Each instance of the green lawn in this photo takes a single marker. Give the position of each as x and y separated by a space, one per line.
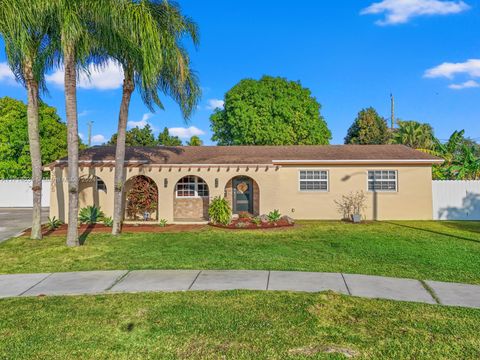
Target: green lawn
448 251
234 325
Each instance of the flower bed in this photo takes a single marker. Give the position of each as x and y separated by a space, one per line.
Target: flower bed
248 223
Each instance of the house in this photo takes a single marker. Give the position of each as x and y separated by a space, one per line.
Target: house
300 181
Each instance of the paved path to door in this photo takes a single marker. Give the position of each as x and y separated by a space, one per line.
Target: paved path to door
14 220
122 281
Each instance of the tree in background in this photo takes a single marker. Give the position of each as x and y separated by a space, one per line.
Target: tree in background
195 141
369 128
14 145
137 137
414 134
165 139
269 111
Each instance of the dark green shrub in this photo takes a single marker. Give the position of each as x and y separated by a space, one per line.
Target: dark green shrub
220 211
53 223
91 215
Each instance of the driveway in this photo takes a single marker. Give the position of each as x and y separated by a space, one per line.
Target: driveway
15 220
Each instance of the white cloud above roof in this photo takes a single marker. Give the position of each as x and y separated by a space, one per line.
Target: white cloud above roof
141 123
185 133
98 139
402 11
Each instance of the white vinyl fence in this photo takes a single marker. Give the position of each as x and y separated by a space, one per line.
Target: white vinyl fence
18 193
456 200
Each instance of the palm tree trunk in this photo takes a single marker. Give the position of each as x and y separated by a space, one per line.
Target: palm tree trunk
72 139
35 152
128 88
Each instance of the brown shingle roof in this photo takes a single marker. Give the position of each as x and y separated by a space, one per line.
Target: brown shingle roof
234 155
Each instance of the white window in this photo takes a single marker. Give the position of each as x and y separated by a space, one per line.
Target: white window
382 180
313 180
191 186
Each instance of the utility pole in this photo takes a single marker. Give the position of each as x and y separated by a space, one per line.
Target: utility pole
90 123
392 119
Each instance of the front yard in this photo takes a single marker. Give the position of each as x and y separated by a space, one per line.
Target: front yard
445 251
234 325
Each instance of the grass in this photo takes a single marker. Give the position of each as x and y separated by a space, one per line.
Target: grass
234 325
445 251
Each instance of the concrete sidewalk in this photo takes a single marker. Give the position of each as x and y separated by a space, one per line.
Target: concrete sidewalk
122 281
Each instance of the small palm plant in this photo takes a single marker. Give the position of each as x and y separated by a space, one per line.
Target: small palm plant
274 216
53 223
90 215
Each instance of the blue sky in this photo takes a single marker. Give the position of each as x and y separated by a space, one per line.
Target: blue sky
351 54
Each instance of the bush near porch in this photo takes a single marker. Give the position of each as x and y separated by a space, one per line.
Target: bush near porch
445 251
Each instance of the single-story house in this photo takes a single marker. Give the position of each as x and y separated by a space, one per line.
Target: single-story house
300 181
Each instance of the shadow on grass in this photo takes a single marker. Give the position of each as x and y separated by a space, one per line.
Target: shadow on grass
83 237
434 231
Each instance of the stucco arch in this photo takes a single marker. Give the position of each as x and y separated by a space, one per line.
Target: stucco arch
93 191
253 193
128 198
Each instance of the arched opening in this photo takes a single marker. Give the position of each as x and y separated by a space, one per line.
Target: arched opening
243 194
92 192
141 199
191 199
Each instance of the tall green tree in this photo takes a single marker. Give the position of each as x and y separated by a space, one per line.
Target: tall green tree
25 28
269 111
369 128
195 141
165 139
153 59
137 137
414 134
14 140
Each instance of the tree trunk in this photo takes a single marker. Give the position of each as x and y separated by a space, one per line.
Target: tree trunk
128 88
72 138
35 152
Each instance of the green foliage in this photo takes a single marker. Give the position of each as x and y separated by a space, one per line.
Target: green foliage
256 220
53 223
14 147
165 139
195 141
414 134
369 128
162 223
90 215
220 211
269 111
107 221
274 216
137 137
142 197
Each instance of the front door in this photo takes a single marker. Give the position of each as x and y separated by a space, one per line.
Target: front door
242 195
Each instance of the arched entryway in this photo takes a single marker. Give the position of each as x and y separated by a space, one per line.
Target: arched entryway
141 199
92 192
191 199
243 194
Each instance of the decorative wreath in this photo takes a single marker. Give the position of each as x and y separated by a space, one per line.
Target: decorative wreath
242 187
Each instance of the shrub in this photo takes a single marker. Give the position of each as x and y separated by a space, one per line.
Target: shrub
220 211
244 215
142 197
162 223
53 223
257 221
108 221
274 216
91 215
352 204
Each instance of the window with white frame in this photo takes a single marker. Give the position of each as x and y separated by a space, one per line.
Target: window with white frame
191 186
382 180
313 180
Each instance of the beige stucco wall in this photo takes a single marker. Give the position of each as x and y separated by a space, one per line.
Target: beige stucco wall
278 189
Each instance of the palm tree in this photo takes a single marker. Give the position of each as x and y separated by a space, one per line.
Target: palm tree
414 134
195 141
154 61
24 25
448 151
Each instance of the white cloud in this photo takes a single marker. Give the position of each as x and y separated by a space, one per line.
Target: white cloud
141 123
108 77
6 74
98 139
80 135
449 70
215 104
401 11
84 113
185 133
465 85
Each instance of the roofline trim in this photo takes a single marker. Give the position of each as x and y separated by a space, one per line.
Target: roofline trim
375 161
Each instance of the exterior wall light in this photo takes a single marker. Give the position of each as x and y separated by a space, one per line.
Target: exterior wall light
165 183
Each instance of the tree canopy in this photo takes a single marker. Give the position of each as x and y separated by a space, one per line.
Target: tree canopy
137 137
369 128
14 148
414 134
269 111
165 139
195 141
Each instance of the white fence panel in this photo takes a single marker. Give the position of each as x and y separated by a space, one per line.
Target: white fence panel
456 200
18 193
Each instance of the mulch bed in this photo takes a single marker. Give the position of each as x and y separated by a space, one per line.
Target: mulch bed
247 224
126 228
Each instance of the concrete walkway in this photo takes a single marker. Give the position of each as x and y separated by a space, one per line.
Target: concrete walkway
14 220
122 281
